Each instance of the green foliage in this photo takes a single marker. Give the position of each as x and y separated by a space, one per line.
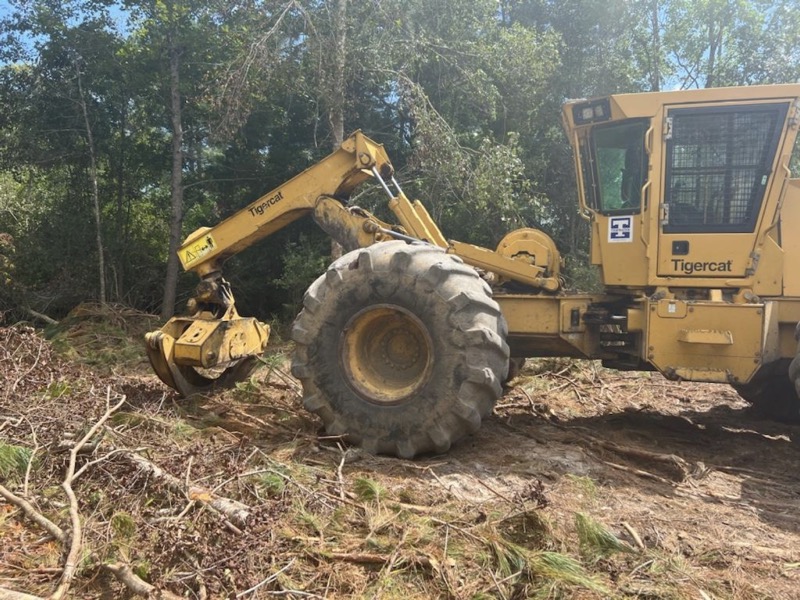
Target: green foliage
273 484
124 526
368 490
595 540
582 277
6 270
13 460
480 192
465 95
547 571
303 261
142 570
584 484
556 568
57 389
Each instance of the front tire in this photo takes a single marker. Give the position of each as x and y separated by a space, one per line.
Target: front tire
400 349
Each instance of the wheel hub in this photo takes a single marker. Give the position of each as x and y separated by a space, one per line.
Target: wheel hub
386 353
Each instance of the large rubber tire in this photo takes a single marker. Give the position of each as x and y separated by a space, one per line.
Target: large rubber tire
774 392
400 349
794 373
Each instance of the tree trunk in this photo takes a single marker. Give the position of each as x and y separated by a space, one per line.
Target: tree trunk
95 193
121 228
336 111
655 72
176 218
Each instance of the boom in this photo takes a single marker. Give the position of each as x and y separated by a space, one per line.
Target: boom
320 189
213 345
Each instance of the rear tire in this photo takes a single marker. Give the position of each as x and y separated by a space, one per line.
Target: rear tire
400 349
794 370
773 392
515 366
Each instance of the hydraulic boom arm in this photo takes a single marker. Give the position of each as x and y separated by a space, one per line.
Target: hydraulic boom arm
213 345
320 189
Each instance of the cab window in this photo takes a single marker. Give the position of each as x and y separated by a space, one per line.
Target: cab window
618 167
719 160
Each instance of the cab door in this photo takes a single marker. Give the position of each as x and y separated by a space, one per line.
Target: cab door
718 165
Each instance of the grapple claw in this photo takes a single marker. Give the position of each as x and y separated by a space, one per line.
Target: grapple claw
186 351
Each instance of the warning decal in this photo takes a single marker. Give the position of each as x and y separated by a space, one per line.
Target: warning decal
196 250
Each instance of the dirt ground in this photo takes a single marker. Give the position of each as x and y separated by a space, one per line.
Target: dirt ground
584 483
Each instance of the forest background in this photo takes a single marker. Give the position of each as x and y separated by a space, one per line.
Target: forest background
126 125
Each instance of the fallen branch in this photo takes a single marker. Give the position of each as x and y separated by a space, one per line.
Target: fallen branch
233 510
639 472
374 559
632 532
6 594
135 584
677 468
41 316
34 515
76 535
263 582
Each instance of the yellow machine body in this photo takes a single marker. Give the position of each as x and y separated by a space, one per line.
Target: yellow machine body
693 213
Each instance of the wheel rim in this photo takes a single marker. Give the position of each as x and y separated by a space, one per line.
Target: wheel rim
387 354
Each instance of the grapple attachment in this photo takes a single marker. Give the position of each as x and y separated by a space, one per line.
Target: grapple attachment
200 352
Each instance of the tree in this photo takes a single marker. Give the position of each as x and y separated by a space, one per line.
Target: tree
732 42
53 117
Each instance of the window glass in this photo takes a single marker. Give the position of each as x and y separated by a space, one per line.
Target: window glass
794 163
620 166
718 165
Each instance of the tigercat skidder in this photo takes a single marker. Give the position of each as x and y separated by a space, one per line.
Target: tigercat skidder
404 343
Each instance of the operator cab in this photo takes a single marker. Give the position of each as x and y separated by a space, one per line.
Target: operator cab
679 185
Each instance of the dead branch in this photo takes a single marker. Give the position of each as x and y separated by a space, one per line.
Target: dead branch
6 594
33 515
632 532
30 369
41 316
269 579
233 510
76 535
375 559
639 472
675 467
29 466
135 584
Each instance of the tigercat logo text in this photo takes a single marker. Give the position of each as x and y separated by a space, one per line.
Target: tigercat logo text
258 209
690 267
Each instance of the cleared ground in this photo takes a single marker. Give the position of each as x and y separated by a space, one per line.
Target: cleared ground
584 483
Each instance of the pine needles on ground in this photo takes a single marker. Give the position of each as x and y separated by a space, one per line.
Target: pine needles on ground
595 540
13 460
